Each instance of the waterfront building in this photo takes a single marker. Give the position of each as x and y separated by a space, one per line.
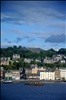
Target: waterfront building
8 75
33 76
63 73
13 74
57 74
36 69
47 75
28 71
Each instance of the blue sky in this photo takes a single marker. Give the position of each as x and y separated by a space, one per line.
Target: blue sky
39 24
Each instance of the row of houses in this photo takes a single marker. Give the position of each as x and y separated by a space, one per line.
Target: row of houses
35 73
55 58
58 74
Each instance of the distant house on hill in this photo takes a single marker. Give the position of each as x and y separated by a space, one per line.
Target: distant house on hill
4 60
28 60
16 56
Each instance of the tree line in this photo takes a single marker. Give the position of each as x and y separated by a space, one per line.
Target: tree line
25 53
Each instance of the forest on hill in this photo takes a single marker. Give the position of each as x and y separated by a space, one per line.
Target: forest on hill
30 52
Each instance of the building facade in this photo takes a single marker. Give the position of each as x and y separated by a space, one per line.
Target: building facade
8 75
36 69
13 74
47 75
57 74
4 60
16 56
63 73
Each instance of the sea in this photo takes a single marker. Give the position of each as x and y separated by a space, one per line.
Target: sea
20 91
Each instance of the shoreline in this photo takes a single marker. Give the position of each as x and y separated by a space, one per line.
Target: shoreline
36 80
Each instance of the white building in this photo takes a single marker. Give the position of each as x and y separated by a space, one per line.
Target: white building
28 60
14 74
48 60
63 73
62 61
16 56
47 75
38 60
57 58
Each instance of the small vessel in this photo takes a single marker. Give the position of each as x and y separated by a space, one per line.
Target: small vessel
35 84
7 80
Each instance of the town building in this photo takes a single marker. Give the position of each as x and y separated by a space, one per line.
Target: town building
38 60
12 74
63 73
4 60
63 61
36 69
47 75
8 75
48 60
28 60
57 58
57 74
28 71
16 56
15 74
33 76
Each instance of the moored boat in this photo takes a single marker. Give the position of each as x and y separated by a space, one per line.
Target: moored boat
7 81
35 84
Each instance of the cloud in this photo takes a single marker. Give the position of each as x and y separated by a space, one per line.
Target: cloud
6 40
18 39
56 38
29 39
16 31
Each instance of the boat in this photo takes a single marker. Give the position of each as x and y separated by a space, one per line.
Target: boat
35 84
7 81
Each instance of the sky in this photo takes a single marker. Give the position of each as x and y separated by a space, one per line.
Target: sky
38 24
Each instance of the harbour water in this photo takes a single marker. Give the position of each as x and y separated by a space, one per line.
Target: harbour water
19 91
